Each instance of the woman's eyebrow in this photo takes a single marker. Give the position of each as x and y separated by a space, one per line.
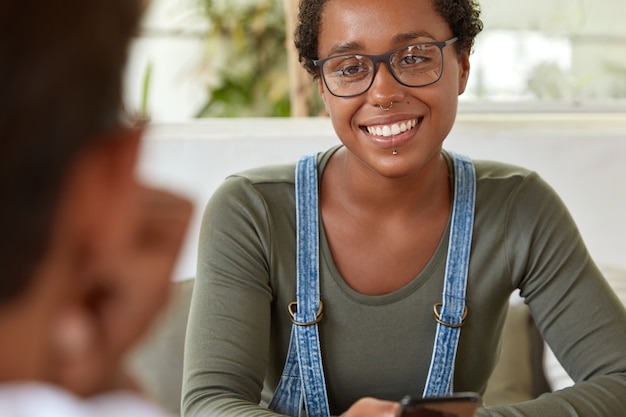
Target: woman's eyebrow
348 47
345 48
411 36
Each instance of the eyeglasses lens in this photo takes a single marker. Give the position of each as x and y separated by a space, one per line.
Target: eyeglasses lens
414 66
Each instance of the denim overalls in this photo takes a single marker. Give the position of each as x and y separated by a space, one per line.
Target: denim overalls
302 381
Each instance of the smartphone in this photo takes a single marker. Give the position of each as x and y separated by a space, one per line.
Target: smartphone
460 404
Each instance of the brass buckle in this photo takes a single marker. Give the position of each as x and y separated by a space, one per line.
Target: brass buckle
437 316
318 315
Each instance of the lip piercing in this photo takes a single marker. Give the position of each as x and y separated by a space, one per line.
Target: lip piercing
394 152
386 108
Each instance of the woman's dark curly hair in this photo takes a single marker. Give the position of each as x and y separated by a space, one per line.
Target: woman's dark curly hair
463 17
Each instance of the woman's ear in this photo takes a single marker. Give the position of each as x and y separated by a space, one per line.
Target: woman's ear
464 70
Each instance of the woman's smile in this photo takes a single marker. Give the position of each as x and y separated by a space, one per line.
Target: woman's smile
392 129
392 134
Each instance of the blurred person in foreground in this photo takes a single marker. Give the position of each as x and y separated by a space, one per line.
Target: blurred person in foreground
86 250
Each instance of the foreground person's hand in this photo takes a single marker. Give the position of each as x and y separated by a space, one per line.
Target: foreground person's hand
122 298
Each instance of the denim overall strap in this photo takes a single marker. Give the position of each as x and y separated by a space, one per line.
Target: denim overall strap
452 311
303 375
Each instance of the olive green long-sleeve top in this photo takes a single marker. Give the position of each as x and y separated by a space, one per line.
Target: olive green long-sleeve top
381 346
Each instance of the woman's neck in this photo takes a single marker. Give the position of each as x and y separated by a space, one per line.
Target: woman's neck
348 183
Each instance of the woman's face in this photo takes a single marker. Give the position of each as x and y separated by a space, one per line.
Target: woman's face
376 27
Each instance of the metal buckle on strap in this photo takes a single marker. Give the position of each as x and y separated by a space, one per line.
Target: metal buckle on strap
437 316
318 316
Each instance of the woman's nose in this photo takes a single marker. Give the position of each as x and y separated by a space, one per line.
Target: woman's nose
385 87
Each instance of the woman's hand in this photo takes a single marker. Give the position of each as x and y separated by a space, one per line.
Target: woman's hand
372 407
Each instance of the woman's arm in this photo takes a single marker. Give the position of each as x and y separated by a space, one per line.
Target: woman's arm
227 343
575 309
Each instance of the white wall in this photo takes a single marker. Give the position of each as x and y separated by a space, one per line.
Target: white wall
581 156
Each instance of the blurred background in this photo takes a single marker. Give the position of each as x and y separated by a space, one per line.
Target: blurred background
234 58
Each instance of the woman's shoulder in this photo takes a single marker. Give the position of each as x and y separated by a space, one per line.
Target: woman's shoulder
508 177
275 174
253 190
499 181
491 169
521 190
284 173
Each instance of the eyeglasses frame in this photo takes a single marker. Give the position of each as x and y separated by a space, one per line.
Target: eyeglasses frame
376 59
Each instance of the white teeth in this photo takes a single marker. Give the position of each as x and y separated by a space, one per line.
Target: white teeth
390 130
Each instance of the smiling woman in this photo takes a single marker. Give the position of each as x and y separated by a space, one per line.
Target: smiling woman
401 256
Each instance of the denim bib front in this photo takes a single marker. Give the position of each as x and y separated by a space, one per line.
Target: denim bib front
302 381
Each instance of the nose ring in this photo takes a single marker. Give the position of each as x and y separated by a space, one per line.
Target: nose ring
386 108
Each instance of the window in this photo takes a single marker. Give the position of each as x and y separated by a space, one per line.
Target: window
536 55
551 52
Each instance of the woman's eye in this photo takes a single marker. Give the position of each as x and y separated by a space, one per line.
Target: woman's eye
413 60
352 70
347 67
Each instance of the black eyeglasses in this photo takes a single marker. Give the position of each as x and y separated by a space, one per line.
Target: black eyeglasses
415 65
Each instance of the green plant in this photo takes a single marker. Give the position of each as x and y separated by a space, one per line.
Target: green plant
144 110
246 59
